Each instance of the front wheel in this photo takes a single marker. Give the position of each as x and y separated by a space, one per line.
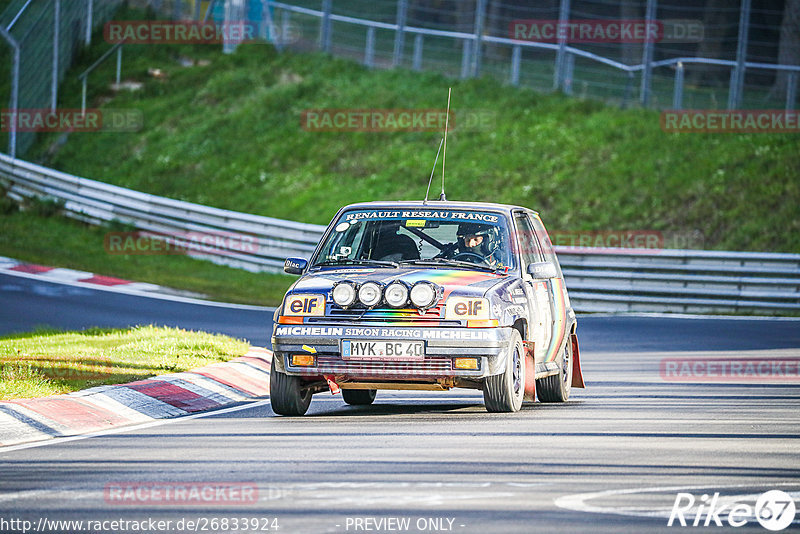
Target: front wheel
359 397
286 394
556 388
504 392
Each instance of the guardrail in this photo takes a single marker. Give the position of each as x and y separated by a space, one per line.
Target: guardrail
565 55
689 281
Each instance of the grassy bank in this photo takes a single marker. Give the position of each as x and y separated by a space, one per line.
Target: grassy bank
225 130
52 362
228 134
57 241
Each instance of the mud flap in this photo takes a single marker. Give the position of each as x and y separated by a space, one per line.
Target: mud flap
577 374
332 384
530 379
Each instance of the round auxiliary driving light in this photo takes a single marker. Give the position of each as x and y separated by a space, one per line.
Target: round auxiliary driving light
369 294
396 294
344 294
423 294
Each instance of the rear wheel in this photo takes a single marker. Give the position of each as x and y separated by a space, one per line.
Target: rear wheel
286 393
359 397
504 392
556 388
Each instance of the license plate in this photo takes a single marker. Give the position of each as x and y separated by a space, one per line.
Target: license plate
382 350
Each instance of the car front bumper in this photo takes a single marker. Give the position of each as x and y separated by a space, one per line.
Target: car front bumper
442 346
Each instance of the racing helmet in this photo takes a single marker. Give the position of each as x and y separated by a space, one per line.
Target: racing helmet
489 234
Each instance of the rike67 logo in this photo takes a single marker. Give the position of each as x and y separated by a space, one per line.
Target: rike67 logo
774 510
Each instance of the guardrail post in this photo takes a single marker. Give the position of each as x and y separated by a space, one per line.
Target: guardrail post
480 17
325 27
647 55
270 30
399 36
466 57
563 17
14 103
737 76
89 15
791 90
83 96
285 25
177 9
417 65
209 9
516 53
628 89
119 64
56 40
569 68
197 5
369 50
677 95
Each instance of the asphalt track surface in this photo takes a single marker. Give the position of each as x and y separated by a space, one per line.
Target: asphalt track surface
612 459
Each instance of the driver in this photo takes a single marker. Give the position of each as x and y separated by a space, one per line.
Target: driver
478 239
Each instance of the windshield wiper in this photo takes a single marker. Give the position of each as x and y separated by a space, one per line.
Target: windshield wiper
348 261
457 263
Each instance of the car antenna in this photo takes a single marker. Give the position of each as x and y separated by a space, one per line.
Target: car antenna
435 161
432 171
444 153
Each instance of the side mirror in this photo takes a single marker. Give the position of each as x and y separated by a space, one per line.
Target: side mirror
295 265
542 271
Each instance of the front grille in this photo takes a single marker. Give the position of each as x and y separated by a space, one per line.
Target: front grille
405 314
432 316
370 368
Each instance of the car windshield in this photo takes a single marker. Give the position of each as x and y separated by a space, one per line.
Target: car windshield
470 239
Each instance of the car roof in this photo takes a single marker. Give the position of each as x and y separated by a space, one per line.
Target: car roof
436 204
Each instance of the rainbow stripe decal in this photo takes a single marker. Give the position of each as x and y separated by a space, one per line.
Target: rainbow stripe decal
559 311
445 277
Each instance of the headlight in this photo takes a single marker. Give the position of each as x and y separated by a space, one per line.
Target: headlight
423 294
369 294
396 294
344 294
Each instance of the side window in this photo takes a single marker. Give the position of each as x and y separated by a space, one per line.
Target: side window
546 244
529 246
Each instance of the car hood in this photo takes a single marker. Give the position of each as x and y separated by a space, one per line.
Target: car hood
453 281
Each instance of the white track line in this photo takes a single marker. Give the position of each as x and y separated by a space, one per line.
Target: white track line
157 422
577 502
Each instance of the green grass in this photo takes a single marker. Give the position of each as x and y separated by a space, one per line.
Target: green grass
51 362
62 242
228 135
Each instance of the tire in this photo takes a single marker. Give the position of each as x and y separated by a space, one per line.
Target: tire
359 397
286 394
504 392
556 388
